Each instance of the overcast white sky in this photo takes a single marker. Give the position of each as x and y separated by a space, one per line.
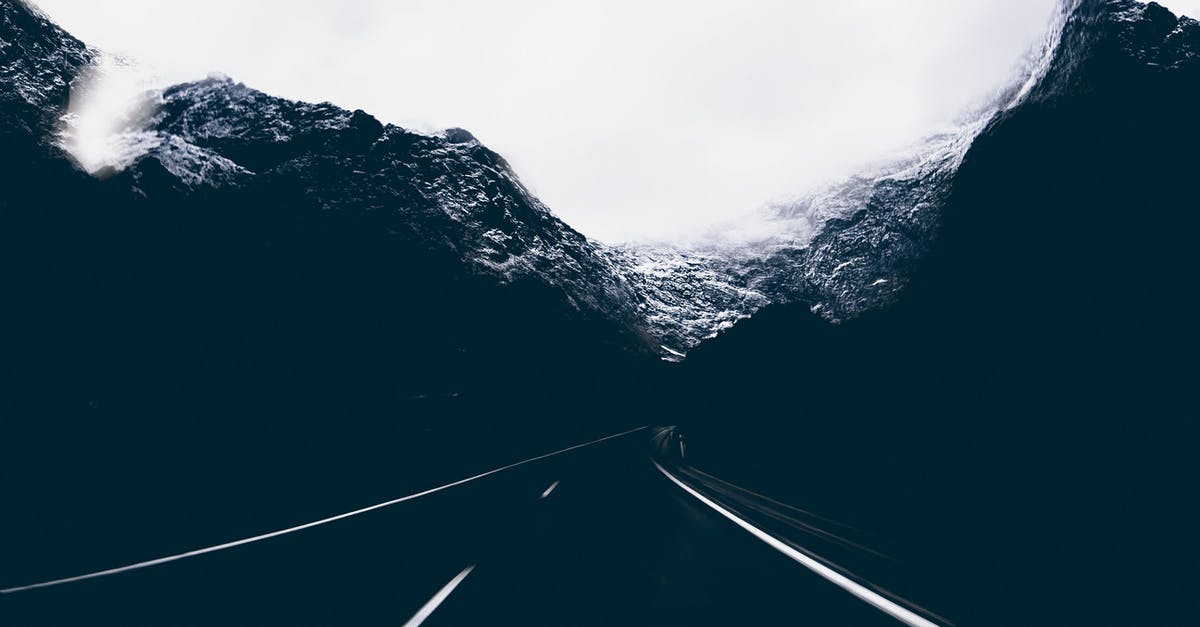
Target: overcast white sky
632 119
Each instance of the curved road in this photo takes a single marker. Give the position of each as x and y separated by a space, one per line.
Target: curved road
620 531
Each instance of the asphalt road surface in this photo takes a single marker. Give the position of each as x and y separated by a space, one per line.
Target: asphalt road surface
617 532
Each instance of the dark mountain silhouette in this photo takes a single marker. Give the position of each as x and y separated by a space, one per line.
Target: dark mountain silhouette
1021 421
311 246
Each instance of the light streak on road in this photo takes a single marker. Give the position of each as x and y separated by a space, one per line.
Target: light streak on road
308 525
432 604
881 602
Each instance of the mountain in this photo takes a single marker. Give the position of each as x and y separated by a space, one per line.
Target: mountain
842 249
286 307
258 225
1020 420
444 191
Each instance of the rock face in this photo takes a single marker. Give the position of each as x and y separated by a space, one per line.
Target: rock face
444 191
842 251
38 61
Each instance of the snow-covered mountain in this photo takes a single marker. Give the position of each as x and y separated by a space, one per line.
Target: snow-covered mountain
443 190
841 250
1022 414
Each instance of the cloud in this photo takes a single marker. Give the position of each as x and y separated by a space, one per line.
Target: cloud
632 119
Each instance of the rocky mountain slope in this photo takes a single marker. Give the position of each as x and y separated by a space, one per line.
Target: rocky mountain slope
841 250
433 191
37 62
220 182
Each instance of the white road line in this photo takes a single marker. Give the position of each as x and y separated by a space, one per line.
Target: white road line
315 523
885 604
549 490
438 598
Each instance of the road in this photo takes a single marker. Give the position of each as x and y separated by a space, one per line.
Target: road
618 532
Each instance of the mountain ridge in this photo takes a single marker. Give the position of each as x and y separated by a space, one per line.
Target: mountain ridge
864 236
